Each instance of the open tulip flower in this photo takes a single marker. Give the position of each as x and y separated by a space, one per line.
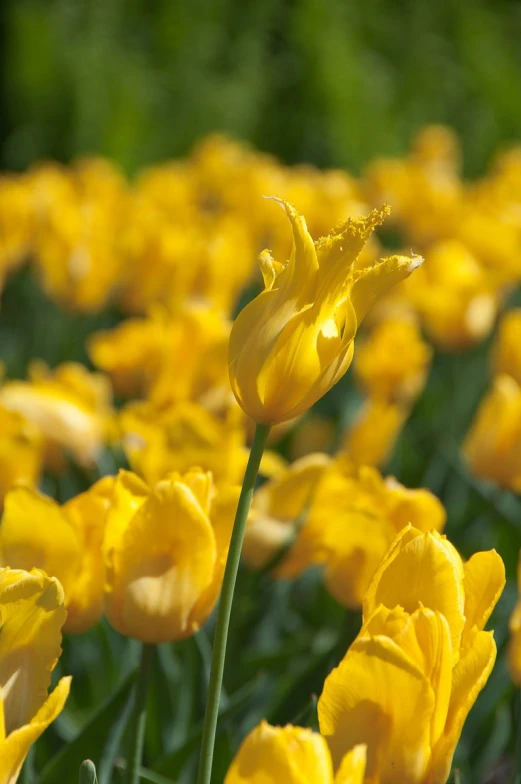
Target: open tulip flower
408 681
348 514
165 550
64 541
31 616
69 405
292 755
294 341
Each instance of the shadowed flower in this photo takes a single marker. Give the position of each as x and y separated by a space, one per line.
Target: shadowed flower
31 617
64 541
292 755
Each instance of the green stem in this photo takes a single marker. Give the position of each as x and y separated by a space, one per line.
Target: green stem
139 716
225 605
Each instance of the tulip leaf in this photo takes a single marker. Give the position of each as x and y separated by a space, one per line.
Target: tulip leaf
88 773
94 738
173 763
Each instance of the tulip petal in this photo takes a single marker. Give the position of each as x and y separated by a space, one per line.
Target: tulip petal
484 582
421 569
371 282
87 513
370 698
352 767
164 560
13 750
128 494
36 534
468 678
276 755
31 616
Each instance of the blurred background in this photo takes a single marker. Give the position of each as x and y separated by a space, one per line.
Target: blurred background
324 81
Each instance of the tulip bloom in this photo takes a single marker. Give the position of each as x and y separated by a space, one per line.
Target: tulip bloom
31 616
294 341
371 438
165 551
64 541
292 755
69 405
393 362
276 509
21 451
455 296
492 446
407 683
354 517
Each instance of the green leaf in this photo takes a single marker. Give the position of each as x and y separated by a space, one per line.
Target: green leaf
174 762
88 773
93 739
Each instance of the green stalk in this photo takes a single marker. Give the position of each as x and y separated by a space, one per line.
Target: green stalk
225 605
139 716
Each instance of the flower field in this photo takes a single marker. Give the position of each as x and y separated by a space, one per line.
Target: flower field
260 465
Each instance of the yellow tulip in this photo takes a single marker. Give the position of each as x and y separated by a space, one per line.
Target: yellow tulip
168 358
514 643
16 224
371 438
354 516
507 349
276 510
69 405
31 617
424 189
21 451
165 549
294 341
393 362
422 654
293 755
80 213
64 541
492 446
455 296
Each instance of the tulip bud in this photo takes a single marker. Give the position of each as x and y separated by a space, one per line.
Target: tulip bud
294 341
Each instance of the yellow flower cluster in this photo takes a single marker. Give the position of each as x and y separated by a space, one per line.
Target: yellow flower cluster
393 710
469 235
333 512
175 251
151 556
407 683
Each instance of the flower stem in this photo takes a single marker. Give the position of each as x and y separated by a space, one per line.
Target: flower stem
139 715
225 605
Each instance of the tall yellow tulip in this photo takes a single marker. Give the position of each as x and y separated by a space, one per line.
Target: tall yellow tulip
407 683
292 755
165 550
31 617
294 341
